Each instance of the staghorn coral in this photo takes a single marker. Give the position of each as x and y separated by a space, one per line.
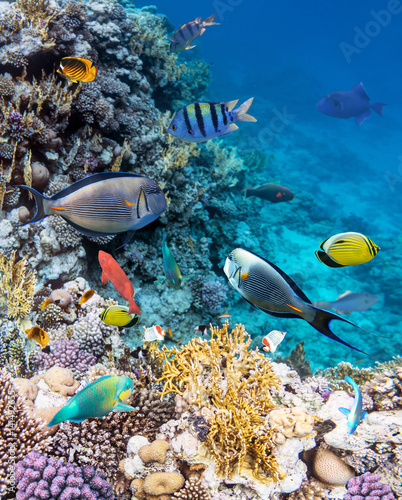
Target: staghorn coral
40 478
224 378
16 285
19 431
368 486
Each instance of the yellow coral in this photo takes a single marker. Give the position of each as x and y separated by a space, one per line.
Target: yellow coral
224 377
16 285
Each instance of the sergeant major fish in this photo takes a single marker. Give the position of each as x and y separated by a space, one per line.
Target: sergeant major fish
356 414
187 33
201 121
104 203
268 288
106 394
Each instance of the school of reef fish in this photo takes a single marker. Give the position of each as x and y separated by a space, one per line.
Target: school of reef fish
126 250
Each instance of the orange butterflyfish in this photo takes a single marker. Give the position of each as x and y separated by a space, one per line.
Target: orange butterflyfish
78 69
113 272
36 333
86 296
272 340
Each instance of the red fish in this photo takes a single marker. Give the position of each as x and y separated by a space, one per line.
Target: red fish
113 272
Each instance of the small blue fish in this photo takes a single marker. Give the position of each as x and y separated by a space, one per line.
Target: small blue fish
105 203
355 415
172 271
106 394
354 102
201 121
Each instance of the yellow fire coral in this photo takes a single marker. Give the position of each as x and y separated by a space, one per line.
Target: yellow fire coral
16 285
230 384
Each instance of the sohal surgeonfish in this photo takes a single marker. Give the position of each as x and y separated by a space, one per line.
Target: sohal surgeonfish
172 272
187 33
112 271
349 302
354 102
268 288
105 203
201 121
271 192
78 69
119 316
347 249
97 399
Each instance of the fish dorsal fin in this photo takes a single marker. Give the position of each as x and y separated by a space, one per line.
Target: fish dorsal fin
288 280
359 89
102 176
230 104
345 294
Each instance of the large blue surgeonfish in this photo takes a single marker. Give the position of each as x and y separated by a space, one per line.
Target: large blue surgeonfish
106 394
105 203
268 288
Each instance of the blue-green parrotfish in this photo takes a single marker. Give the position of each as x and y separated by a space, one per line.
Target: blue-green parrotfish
106 394
356 414
173 275
105 203
201 121
187 33
266 287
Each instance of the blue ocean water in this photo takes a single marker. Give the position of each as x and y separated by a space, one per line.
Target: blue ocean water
289 55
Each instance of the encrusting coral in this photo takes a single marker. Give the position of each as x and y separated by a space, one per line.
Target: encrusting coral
368 486
230 385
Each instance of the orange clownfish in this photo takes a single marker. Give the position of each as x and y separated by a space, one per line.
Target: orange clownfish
77 69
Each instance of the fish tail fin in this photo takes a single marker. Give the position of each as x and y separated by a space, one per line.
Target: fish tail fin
209 21
133 309
378 107
326 259
241 111
60 417
321 323
39 201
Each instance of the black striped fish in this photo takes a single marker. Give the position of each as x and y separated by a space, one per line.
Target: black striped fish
187 33
77 69
268 288
119 316
347 249
201 121
105 203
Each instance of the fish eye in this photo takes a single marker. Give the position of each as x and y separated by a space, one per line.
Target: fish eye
174 127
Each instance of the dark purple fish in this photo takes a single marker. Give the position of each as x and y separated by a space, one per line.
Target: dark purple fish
271 192
354 102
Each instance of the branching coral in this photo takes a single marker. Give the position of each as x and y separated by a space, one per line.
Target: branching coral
230 384
17 284
337 375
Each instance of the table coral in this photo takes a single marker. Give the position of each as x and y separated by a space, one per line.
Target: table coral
368 486
41 478
225 376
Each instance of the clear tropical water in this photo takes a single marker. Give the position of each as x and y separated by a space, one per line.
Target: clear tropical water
346 177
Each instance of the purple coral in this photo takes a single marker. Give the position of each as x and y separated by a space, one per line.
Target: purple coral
213 296
368 487
15 126
91 160
41 478
66 353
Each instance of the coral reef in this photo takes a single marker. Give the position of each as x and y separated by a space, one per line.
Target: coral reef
66 354
40 478
368 486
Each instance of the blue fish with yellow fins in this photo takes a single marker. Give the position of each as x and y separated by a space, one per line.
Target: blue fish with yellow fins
172 271
106 394
105 203
201 121
347 249
356 414
119 316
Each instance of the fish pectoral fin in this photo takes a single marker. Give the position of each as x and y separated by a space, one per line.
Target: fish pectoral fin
364 415
186 278
345 411
159 282
189 47
232 127
104 278
129 235
120 407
